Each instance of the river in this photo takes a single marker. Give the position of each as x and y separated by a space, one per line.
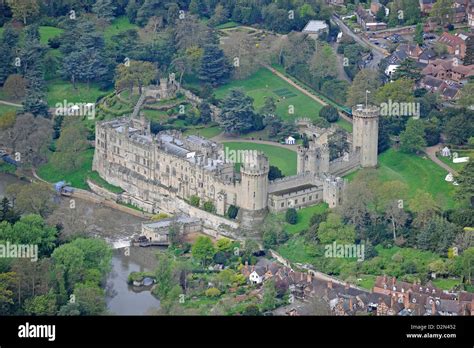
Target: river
117 228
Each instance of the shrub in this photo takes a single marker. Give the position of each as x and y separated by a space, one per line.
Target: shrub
194 201
159 216
209 207
212 292
232 212
329 113
291 216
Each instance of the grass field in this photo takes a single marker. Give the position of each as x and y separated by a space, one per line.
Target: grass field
59 90
205 132
446 283
461 153
227 25
119 25
419 173
282 158
47 33
304 215
77 178
263 83
5 108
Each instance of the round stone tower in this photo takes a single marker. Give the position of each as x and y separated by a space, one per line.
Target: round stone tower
365 133
254 182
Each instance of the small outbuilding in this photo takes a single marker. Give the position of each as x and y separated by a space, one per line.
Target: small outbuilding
290 140
446 152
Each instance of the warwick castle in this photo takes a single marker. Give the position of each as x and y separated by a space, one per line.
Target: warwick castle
162 172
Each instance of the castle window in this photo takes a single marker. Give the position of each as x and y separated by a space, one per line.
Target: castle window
282 204
157 166
304 199
254 195
296 201
310 197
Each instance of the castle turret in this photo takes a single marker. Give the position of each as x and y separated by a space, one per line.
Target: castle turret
333 191
254 182
365 133
314 159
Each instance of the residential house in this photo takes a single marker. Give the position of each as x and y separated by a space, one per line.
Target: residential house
455 44
426 56
412 51
368 21
449 70
257 275
470 17
426 5
335 2
158 232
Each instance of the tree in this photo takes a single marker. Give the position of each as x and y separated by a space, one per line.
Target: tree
164 275
104 9
412 139
214 67
365 80
41 305
7 285
269 295
418 38
135 74
23 9
338 144
70 146
29 136
90 298
408 69
237 112
442 11
224 245
466 261
465 191
424 206
35 198
275 173
467 95
205 112
203 250
291 216
459 127
330 113
15 87
323 64
7 213
221 15
333 229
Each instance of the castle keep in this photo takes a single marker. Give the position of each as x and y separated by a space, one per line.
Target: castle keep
160 172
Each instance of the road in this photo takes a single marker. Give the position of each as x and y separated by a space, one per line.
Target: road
431 152
377 52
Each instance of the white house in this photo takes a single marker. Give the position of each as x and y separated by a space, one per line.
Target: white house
290 140
256 277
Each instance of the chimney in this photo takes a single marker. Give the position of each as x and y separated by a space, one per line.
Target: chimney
384 279
308 278
392 301
350 303
346 286
433 307
330 284
394 280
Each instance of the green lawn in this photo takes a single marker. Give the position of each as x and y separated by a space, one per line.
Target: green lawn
47 33
205 132
77 178
461 153
304 215
119 25
227 25
282 158
5 108
263 83
59 90
418 172
446 283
